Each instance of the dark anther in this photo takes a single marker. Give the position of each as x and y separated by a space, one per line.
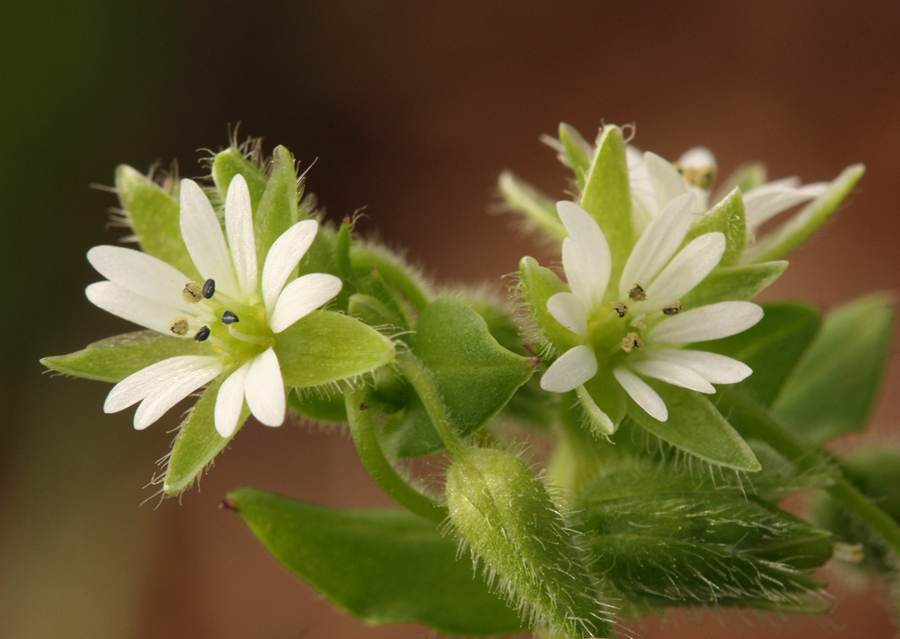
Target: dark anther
229 318
672 309
621 308
638 294
209 288
202 334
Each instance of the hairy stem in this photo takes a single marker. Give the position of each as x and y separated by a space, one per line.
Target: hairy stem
417 375
393 273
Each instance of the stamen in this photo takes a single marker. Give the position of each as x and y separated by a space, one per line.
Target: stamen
192 293
699 176
638 294
250 339
209 289
229 318
631 342
202 334
673 309
179 326
620 308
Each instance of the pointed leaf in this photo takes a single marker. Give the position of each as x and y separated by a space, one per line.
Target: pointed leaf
326 347
734 283
696 427
833 389
381 566
154 214
798 228
278 209
771 348
115 358
538 209
229 163
726 217
578 152
198 442
607 197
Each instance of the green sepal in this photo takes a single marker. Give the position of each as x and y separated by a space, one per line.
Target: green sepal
667 538
228 163
833 388
746 177
198 442
603 401
372 311
329 409
799 227
475 375
155 217
320 258
875 472
537 285
115 358
326 347
607 197
578 152
395 272
726 217
505 515
771 348
734 283
538 210
381 566
696 427
278 206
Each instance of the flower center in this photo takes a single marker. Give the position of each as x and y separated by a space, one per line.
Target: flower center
616 330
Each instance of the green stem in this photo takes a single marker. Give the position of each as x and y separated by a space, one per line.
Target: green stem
393 273
754 421
578 457
377 465
417 375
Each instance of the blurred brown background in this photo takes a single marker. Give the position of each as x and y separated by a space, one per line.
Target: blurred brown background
412 110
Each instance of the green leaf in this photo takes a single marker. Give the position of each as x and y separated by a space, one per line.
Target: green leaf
578 152
476 376
372 311
229 163
799 227
696 427
278 209
665 538
505 515
538 209
381 566
607 197
154 215
734 283
537 285
198 442
834 387
726 217
326 347
115 358
329 409
771 348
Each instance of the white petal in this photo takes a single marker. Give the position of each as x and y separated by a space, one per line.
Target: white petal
241 238
140 273
570 312
707 322
585 254
698 157
168 392
642 394
230 401
672 373
265 389
692 264
665 178
204 238
715 368
283 257
301 297
658 243
121 302
764 203
572 369
149 380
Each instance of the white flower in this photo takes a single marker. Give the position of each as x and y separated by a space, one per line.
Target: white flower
150 292
640 329
655 182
